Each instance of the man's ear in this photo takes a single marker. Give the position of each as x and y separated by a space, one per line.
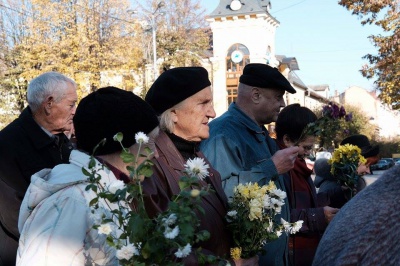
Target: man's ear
48 104
174 116
255 94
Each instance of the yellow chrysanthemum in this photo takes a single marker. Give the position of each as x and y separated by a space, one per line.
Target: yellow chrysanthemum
363 160
244 191
346 154
236 253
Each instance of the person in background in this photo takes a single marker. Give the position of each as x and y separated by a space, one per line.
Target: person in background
35 140
300 189
241 149
365 231
182 98
325 183
55 221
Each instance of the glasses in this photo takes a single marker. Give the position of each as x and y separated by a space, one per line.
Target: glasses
308 148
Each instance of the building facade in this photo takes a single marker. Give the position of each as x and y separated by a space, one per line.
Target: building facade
244 32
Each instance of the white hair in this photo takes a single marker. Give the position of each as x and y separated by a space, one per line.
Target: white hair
166 122
48 84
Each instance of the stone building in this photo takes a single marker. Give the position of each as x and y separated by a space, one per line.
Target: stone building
244 32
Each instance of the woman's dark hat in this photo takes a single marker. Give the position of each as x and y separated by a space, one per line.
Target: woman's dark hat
175 85
107 111
264 76
361 141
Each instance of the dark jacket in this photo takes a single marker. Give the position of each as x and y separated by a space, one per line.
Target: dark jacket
24 149
328 185
365 231
160 188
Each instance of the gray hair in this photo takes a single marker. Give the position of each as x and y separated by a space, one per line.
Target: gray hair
48 84
166 122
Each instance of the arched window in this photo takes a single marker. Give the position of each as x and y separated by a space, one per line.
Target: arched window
236 58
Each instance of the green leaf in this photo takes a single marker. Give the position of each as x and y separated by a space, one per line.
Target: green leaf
93 201
127 157
92 162
145 170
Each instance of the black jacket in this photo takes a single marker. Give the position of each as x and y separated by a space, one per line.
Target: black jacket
24 149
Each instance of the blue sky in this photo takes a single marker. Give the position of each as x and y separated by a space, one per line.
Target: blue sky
326 39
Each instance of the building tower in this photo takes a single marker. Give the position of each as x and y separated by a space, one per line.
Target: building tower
243 32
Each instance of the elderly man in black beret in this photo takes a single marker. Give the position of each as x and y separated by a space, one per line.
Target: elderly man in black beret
241 149
55 220
182 98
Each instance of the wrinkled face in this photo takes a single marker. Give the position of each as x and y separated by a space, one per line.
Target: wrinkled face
191 116
59 114
270 103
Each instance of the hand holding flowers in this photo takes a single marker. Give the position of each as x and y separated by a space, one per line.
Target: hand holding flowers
138 239
344 163
251 218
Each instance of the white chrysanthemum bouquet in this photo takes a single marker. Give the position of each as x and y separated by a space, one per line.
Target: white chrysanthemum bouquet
139 240
251 218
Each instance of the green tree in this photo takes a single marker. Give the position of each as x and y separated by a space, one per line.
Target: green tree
385 66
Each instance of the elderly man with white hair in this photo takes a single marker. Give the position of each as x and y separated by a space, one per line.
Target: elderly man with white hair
35 140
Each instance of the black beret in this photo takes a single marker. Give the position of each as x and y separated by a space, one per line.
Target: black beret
361 141
107 111
175 85
264 76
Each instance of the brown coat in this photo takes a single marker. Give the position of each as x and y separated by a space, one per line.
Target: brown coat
160 188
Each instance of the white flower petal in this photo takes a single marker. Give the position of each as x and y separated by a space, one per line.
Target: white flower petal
170 220
232 213
171 233
115 185
197 167
140 137
183 252
105 229
127 252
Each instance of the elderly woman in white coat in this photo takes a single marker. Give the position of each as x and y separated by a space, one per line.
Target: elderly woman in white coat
55 221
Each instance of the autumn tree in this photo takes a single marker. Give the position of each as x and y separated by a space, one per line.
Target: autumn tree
182 37
360 124
91 41
385 65
12 34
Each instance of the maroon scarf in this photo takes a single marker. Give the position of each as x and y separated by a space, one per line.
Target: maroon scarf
300 185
